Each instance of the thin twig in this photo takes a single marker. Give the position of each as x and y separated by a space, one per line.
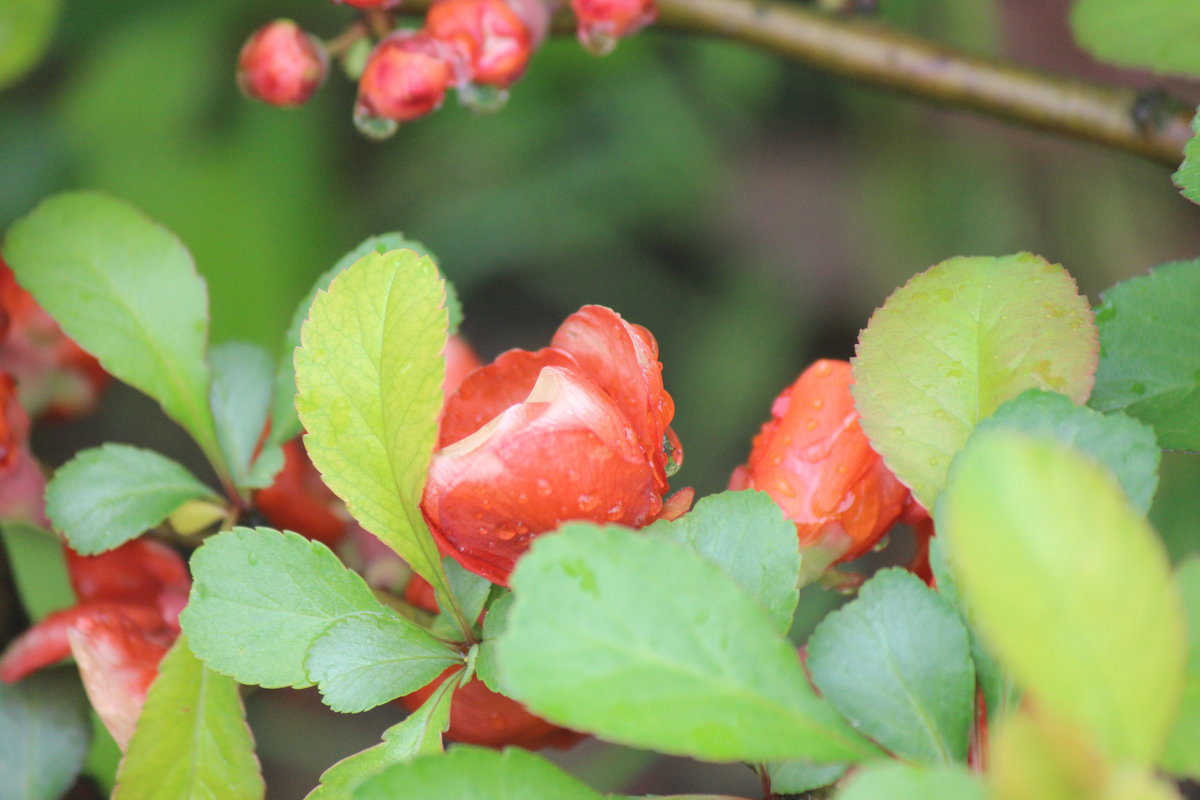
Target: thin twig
1150 124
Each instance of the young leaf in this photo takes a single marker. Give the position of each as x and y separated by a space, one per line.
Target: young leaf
471 773
126 290
420 734
1182 756
495 623
191 741
370 374
44 733
898 781
746 534
1121 443
1000 692
1150 352
284 423
896 662
469 590
955 342
261 598
108 495
1150 34
646 643
797 777
1035 757
39 569
364 660
1187 177
1039 537
25 31
241 399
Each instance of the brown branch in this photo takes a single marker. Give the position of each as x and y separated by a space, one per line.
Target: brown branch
1149 124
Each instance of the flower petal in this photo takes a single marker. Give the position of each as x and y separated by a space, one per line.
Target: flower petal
488 391
298 500
136 572
623 361
118 661
566 453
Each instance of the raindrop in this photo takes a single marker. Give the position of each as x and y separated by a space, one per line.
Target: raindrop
543 487
481 98
374 127
597 40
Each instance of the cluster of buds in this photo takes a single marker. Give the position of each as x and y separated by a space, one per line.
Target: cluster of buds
477 47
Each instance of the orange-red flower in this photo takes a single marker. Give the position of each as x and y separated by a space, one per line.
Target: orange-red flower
480 716
22 485
575 431
126 617
56 377
813 458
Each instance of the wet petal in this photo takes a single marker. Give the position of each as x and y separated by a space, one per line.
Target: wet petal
136 572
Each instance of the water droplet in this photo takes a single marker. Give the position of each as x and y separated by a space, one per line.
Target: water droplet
616 510
587 502
486 503
374 127
252 558
543 487
818 403
482 531
522 498
482 99
786 440
572 475
811 425
842 469
785 488
505 534
933 462
598 40
1138 388
776 461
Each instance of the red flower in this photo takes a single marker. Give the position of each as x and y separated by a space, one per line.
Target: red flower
406 77
56 377
282 65
488 34
126 617
298 500
22 485
480 716
813 458
575 431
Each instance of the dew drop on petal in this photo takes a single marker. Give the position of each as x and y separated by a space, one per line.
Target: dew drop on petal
818 403
587 502
543 487
811 425
616 510
505 534
522 498
785 488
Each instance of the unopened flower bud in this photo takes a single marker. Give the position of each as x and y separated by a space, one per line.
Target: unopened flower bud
602 22
406 77
488 35
282 65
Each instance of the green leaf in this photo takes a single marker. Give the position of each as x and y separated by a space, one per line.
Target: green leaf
191 741
896 661
1182 756
126 290
746 534
260 598
26 27
1187 177
108 495
104 756
241 400
471 773
38 568
367 659
44 733
797 777
955 342
1000 693
470 591
495 623
1121 443
284 423
370 374
1153 34
1150 352
896 781
645 643
420 734
1070 585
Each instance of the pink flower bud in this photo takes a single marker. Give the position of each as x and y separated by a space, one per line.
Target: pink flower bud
489 36
282 65
602 22
406 77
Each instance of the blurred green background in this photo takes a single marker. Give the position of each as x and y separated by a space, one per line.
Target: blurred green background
750 212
